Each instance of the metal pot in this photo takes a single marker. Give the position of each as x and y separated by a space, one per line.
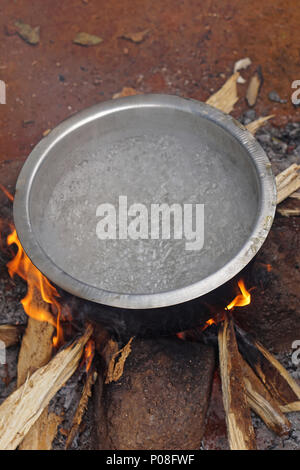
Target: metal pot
151 149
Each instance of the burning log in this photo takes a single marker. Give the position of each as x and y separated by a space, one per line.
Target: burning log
273 375
238 417
262 403
10 334
23 407
82 406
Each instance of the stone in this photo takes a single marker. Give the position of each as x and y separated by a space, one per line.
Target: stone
160 402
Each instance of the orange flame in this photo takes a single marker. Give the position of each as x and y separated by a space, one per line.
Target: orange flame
89 352
40 290
241 300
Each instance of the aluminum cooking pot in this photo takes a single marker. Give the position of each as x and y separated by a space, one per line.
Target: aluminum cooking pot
145 202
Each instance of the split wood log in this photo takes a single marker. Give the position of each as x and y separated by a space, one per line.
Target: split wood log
262 403
35 352
295 195
36 348
42 433
22 408
288 182
225 98
280 384
82 406
254 87
289 212
291 407
238 417
10 334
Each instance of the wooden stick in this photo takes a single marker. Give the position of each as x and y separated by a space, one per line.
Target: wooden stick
288 182
238 418
23 407
10 334
273 375
289 212
82 406
225 98
295 406
262 403
36 348
255 125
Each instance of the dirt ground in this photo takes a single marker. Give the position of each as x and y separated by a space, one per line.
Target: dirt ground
189 50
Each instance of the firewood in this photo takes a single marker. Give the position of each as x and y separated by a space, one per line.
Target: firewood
42 433
35 352
238 417
82 406
23 407
255 125
295 406
262 403
273 375
295 196
36 348
10 334
288 182
289 212
254 87
225 98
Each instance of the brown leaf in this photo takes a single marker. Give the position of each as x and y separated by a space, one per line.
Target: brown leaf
85 39
136 37
116 367
27 33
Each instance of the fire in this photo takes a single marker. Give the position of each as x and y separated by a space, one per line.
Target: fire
40 290
40 294
89 352
242 299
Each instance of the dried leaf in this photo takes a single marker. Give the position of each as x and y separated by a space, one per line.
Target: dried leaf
136 37
27 33
115 369
85 39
